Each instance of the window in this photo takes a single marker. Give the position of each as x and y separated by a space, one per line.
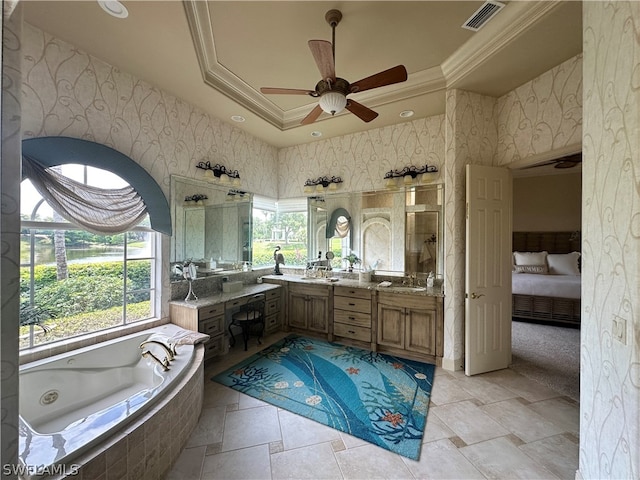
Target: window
283 224
73 282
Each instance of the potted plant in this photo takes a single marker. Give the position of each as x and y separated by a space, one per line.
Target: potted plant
353 259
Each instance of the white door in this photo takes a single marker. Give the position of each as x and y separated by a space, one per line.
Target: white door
488 269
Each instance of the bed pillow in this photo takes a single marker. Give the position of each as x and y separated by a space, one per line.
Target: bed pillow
530 258
563 263
541 269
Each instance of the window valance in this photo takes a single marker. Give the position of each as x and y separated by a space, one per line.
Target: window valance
97 210
51 151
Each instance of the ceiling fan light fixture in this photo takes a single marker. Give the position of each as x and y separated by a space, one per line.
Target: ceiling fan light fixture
333 102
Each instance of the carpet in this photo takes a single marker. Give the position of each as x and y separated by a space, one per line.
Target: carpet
548 354
379 398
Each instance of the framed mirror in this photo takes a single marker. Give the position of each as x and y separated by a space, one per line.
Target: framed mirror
424 246
210 222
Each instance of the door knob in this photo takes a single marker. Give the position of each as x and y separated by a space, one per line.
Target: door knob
474 295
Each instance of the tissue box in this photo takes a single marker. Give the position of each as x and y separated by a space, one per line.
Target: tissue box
230 287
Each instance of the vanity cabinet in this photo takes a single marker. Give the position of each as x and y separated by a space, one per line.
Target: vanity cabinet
352 314
308 308
208 319
412 324
273 311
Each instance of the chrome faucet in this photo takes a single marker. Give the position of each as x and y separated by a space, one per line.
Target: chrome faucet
164 363
167 349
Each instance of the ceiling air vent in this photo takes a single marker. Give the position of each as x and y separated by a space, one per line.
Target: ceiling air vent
482 15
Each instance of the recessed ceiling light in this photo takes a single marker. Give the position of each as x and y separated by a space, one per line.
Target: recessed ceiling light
316 133
407 113
114 8
238 118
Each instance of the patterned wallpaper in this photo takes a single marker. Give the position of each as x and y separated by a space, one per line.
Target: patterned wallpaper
10 230
471 137
542 115
362 159
610 368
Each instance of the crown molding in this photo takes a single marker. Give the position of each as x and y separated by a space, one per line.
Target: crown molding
510 23
226 82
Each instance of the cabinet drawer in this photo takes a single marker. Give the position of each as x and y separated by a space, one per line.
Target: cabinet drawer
211 311
271 307
271 323
311 290
213 326
214 347
273 294
349 331
408 300
352 292
352 318
236 302
352 304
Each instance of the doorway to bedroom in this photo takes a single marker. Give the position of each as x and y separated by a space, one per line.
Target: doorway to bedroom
547 207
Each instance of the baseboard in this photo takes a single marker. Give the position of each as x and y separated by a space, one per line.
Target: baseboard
452 364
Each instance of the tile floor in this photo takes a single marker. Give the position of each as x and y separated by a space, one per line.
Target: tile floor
498 425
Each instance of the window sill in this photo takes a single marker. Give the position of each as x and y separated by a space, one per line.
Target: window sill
55 348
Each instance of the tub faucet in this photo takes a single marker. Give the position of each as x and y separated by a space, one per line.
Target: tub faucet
166 348
165 363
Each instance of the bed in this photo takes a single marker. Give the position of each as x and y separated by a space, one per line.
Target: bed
546 276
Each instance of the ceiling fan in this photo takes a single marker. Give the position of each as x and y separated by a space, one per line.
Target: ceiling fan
569 161
332 91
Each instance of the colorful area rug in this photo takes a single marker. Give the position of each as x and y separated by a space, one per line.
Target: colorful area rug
373 396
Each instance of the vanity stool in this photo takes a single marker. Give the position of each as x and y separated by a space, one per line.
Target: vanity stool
250 318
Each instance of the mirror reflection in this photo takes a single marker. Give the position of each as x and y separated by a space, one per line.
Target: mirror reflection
391 231
423 230
211 224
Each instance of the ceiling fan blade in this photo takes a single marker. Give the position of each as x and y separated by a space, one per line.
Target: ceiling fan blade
322 52
388 77
286 91
364 113
313 116
538 165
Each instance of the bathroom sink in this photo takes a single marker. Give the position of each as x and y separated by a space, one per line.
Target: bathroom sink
408 289
316 280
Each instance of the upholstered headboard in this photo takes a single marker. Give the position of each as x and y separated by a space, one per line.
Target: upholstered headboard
552 242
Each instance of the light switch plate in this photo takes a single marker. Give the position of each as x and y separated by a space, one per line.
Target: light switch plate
620 329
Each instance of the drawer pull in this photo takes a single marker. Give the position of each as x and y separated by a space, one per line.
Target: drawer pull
352 318
352 304
351 332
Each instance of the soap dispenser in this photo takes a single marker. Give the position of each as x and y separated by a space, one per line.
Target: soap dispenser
430 279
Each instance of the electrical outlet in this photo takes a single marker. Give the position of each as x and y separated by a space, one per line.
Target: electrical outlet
620 329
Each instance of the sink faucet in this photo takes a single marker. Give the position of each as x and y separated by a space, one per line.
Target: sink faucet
164 363
167 349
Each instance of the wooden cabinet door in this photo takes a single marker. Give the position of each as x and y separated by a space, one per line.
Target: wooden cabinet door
318 314
391 331
420 330
297 310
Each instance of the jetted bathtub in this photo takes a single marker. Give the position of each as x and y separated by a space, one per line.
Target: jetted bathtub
72 401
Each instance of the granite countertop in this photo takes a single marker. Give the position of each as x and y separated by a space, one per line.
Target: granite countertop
222 297
352 283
